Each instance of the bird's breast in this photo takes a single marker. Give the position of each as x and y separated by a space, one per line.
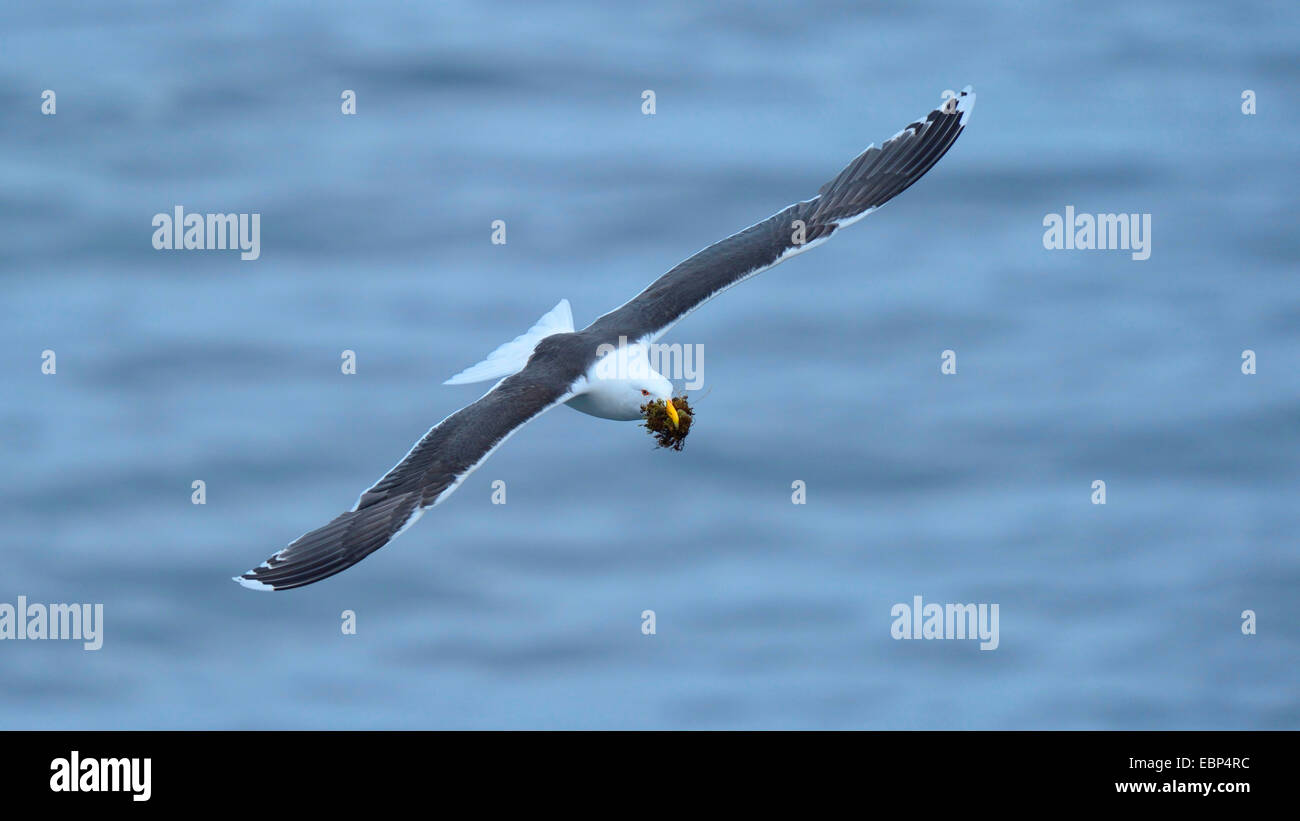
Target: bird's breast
606 404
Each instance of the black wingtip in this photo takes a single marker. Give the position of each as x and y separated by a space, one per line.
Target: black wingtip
331 549
878 175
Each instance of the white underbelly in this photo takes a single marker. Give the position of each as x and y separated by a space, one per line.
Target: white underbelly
605 407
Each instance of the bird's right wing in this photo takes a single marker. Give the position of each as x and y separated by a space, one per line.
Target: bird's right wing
430 472
873 179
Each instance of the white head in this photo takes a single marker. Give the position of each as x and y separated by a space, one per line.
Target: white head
621 383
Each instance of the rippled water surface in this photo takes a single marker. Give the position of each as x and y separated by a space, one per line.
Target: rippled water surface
1072 366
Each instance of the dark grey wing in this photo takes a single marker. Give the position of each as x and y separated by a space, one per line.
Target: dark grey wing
429 473
873 179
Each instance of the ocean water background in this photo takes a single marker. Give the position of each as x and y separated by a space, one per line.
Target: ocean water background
1072 366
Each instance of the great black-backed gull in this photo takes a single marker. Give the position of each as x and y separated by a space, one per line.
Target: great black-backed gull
597 370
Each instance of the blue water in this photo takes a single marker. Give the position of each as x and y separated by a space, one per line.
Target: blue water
1073 366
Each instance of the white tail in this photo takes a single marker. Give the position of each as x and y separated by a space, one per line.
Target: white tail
513 356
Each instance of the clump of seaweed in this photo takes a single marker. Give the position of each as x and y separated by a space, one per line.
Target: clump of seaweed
660 422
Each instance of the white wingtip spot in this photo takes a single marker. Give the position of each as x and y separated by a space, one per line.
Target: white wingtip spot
966 104
253 584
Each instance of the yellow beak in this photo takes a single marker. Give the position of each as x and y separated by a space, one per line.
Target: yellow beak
672 412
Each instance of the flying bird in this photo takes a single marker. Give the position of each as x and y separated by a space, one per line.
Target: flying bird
604 369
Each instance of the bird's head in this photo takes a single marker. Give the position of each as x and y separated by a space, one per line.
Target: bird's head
657 387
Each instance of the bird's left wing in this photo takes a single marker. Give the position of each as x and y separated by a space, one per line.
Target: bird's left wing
429 473
873 179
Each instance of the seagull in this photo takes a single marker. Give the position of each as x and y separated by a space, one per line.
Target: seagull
604 369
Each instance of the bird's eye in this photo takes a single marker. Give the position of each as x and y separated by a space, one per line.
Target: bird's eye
645 392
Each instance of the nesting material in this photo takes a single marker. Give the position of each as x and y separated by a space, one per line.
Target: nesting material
660 424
